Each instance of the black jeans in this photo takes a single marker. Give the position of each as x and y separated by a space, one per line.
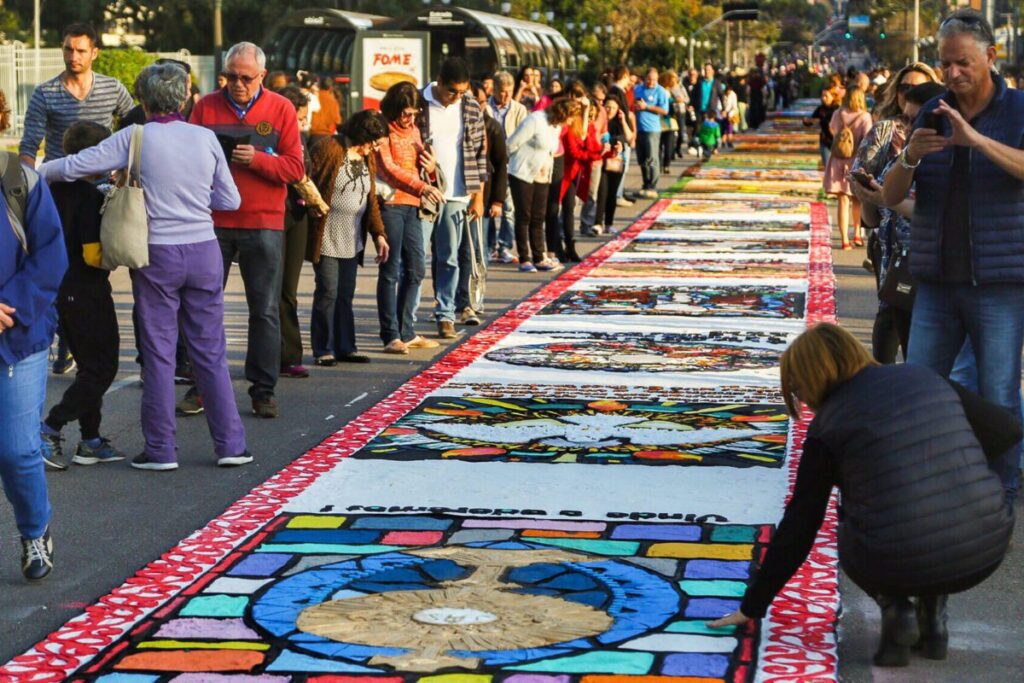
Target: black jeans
551 224
259 253
296 232
333 328
890 333
612 181
668 147
89 322
531 201
559 234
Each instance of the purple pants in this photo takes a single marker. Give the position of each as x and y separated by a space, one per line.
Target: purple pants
185 283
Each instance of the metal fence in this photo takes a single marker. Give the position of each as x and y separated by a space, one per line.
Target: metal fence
22 68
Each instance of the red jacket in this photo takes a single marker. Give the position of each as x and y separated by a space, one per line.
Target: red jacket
272 128
579 155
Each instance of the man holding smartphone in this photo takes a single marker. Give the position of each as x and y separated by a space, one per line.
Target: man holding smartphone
967 233
265 159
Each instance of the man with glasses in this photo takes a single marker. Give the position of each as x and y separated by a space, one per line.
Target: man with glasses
966 162
453 124
260 136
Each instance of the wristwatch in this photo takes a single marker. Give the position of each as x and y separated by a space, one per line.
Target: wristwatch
902 158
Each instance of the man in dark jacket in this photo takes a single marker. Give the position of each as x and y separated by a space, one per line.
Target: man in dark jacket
967 233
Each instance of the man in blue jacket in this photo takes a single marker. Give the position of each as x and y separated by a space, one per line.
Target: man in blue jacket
967 233
32 263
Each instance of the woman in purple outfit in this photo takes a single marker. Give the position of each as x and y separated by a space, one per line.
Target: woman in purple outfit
184 175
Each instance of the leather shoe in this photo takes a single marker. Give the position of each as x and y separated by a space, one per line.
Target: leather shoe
446 329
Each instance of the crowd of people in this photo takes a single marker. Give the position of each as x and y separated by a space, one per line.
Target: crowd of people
263 173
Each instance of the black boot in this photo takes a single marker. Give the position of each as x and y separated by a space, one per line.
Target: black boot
570 252
899 631
931 622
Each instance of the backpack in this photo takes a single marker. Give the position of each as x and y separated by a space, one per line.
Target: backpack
16 186
843 144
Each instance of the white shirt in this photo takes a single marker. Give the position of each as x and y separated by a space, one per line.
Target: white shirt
447 131
531 149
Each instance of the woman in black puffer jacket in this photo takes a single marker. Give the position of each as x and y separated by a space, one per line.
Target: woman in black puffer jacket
922 513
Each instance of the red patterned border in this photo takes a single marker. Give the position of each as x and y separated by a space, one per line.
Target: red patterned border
801 636
85 637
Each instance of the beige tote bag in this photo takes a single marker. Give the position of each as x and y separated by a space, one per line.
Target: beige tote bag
124 227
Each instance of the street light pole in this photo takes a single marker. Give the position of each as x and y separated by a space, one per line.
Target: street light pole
218 36
715 22
917 28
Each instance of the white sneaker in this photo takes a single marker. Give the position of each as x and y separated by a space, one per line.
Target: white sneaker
598 229
622 201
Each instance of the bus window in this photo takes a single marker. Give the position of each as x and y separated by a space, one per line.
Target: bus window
294 54
319 52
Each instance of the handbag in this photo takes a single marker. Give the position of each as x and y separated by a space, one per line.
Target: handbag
897 288
124 227
614 164
478 273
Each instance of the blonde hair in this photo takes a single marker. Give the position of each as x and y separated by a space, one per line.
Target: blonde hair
854 99
889 106
817 362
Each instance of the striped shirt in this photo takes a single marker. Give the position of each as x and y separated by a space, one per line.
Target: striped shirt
53 109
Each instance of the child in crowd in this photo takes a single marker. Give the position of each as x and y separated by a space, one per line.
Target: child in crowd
85 309
709 134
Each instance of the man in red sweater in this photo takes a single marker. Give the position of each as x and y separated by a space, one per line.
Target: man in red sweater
260 136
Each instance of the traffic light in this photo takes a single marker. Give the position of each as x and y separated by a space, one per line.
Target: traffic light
881 34
848 35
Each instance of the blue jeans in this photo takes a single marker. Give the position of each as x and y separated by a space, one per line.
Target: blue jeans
399 279
332 329
501 231
448 234
260 254
626 154
22 395
647 151
991 317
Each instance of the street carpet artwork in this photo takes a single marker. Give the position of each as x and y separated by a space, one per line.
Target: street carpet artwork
809 162
567 496
781 188
756 301
684 244
682 223
599 432
762 174
700 268
445 599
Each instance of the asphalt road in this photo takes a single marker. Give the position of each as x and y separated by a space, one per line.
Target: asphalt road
111 520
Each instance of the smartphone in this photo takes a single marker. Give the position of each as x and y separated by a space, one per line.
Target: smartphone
229 142
862 177
933 120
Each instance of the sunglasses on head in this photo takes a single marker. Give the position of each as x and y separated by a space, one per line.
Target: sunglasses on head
969 20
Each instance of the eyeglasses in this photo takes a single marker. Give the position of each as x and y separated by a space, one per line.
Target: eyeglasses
455 92
246 80
409 113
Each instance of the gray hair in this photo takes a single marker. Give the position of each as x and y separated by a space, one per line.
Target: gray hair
967 22
162 88
241 49
503 79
